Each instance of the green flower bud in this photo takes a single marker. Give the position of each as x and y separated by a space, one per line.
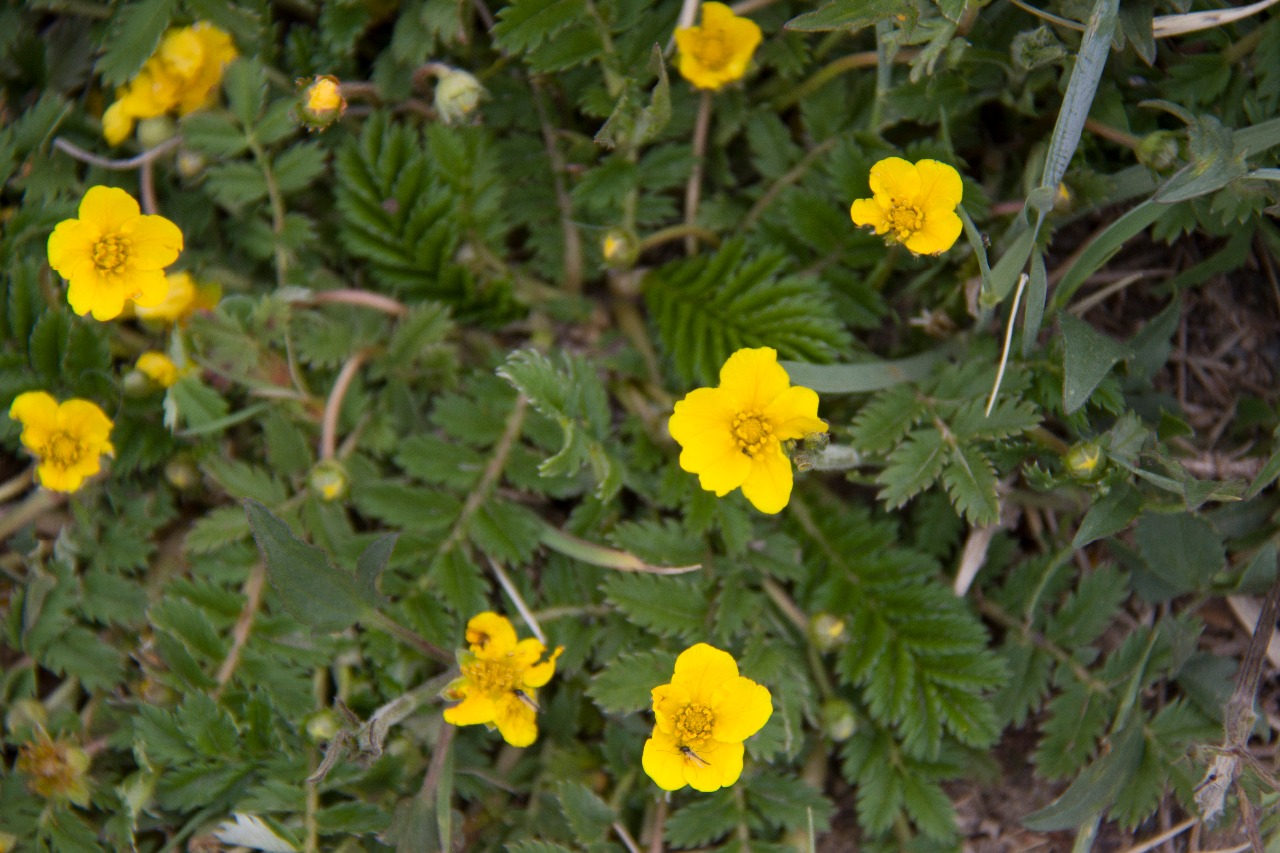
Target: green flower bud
323 725
190 164
328 480
620 249
1085 461
1158 150
181 472
827 632
153 131
457 94
839 721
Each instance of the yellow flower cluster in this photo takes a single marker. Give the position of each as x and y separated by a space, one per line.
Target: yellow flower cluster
732 435
500 680
179 78
67 439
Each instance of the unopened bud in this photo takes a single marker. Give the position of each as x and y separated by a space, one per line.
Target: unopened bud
1158 150
154 131
457 94
190 163
839 721
323 725
322 102
158 368
827 631
181 472
1085 461
620 249
328 479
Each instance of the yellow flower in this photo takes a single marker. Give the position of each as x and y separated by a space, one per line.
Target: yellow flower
113 253
180 77
158 367
183 297
499 682
67 439
322 102
718 51
732 435
915 205
55 769
702 718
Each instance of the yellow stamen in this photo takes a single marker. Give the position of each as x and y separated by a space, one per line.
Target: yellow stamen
111 253
491 675
752 432
711 51
63 449
904 220
693 723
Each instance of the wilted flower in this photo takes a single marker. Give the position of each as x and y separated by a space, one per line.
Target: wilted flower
157 367
180 77
113 253
913 204
718 51
500 678
702 718
67 439
322 102
55 769
732 435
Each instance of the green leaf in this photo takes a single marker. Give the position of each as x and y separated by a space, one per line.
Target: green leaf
667 606
883 422
369 568
460 581
525 24
1111 514
1087 359
623 686
1101 248
864 376
299 165
1085 75
1095 788
314 590
589 816
245 82
1183 550
214 134
133 37
236 185
196 404
242 480
913 467
971 480
706 308
848 15
701 821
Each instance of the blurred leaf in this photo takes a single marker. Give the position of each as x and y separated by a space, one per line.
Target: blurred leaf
133 37
1088 358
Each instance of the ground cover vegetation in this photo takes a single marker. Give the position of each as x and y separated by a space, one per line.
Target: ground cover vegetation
633 425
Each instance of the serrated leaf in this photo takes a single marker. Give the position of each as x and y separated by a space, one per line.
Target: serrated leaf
667 606
970 479
589 816
134 36
1096 786
214 134
525 24
1111 514
245 82
313 589
848 15
889 416
699 822
221 527
624 685
1183 550
370 565
299 165
1010 417
242 480
236 185
913 467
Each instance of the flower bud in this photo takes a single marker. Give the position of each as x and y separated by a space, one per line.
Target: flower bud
827 632
1085 461
323 725
322 102
154 131
620 249
181 472
190 163
1158 150
328 479
158 368
839 721
457 95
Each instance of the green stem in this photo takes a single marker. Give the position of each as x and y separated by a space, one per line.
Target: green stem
675 232
276 202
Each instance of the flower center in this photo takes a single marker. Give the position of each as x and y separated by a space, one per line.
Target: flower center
712 52
752 432
492 676
693 723
63 449
111 253
904 220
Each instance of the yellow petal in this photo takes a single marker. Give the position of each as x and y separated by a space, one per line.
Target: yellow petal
794 413
117 124
149 287
866 211
752 378
55 478
516 721
894 179
940 186
663 761
476 708
108 208
716 15
156 242
768 486
668 699
490 635
71 247
720 474
85 421
539 674
719 767
527 652
35 409
701 669
745 36
103 297
741 708
703 413
939 233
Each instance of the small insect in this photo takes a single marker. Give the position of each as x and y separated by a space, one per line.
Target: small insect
527 699
693 756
